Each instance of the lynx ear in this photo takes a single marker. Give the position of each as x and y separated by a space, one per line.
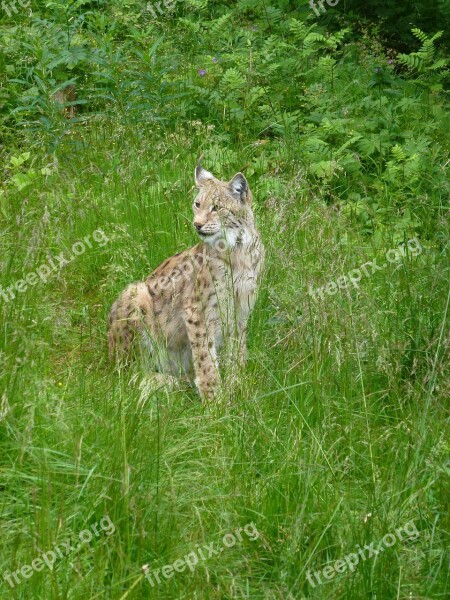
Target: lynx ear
239 188
202 175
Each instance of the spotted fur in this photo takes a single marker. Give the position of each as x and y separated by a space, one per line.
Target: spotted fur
199 300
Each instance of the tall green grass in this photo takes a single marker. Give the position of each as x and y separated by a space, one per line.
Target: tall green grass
335 436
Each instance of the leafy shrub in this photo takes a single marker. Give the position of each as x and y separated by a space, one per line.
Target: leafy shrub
356 118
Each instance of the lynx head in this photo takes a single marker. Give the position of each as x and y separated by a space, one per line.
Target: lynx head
222 210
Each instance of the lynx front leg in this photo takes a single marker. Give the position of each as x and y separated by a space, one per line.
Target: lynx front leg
236 357
204 355
237 347
242 343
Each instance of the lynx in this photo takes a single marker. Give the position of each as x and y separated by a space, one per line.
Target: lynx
198 301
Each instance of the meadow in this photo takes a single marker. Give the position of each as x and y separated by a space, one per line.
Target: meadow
323 473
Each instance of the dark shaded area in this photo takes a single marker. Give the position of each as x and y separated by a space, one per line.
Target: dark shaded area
395 19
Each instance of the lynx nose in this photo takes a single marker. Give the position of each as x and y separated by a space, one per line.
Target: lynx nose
198 226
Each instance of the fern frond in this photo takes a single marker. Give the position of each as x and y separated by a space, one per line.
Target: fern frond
232 80
299 29
218 26
398 153
412 61
419 34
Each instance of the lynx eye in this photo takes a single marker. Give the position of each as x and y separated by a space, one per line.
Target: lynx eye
197 204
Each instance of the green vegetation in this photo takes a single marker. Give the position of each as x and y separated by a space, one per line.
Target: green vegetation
338 434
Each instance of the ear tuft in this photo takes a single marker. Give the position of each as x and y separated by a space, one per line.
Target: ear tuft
239 187
201 174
